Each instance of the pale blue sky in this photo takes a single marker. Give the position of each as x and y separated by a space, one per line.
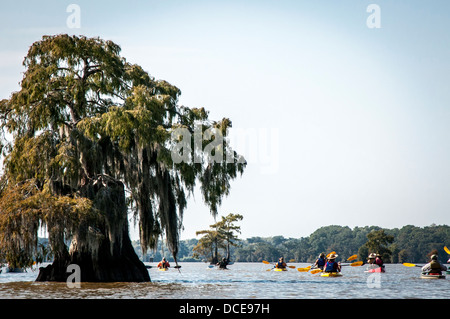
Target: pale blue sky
351 123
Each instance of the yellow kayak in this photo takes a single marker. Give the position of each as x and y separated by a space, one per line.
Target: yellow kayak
279 269
331 274
163 269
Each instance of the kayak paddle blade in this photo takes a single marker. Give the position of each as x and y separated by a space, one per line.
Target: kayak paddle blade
356 263
303 269
409 265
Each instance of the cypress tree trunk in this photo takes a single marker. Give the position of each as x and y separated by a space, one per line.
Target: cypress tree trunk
107 268
104 253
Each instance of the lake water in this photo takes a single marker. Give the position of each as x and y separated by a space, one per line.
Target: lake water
242 280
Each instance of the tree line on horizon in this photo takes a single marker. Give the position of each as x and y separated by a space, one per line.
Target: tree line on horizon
408 244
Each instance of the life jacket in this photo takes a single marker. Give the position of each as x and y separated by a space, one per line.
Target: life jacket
331 266
320 262
281 265
435 267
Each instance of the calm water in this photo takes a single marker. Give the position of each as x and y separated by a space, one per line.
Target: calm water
243 280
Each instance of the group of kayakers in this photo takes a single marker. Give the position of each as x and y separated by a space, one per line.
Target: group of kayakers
327 263
165 264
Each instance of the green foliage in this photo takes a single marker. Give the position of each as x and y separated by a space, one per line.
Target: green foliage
410 244
414 244
221 235
377 242
24 208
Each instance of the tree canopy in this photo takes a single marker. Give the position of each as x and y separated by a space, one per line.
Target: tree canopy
377 242
221 235
408 244
93 138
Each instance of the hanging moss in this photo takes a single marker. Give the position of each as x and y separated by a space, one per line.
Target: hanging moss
91 141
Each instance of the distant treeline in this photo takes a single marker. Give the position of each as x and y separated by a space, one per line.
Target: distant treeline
411 244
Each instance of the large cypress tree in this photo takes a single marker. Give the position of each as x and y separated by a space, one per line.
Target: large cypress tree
87 139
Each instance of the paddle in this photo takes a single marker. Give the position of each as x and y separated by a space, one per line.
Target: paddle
352 257
354 264
447 250
411 265
306 269
148 267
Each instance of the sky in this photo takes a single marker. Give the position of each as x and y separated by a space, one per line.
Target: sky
341 110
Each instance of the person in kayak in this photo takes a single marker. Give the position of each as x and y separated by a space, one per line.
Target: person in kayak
163 263
223 264
320 262
374 261
331 265
379 261
434 266
280 264
371 258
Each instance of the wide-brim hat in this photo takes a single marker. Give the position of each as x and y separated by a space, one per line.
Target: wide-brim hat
333 256
372 255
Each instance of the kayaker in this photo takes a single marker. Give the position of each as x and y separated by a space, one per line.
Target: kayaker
371 258
332 265
163 263
379 261
434 266
223 264
320 262
280 264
